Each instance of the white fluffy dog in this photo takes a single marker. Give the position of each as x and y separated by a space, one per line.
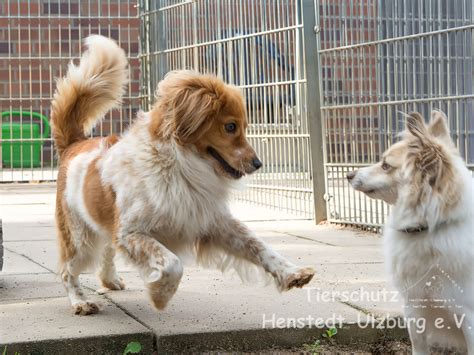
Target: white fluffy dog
428 238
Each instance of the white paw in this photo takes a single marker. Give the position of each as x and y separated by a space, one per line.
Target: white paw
299 278
85 308
115 284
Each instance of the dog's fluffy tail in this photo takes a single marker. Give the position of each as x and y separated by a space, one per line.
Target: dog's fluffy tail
88 91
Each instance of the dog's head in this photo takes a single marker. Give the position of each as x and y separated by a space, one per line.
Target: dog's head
202 111
421 161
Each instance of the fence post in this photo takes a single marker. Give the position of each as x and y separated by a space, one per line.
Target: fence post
315 122
163 65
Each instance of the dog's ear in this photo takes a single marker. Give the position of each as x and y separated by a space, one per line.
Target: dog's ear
431 160
194 108
438 126
426 159
415 124
188 103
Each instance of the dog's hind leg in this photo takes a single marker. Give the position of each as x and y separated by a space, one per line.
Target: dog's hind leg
76 254
107 272
160 269
71 268
70 276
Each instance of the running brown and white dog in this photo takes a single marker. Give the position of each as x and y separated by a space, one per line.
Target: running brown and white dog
160 190
428 238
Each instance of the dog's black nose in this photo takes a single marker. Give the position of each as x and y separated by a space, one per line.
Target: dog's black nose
256 163
351 174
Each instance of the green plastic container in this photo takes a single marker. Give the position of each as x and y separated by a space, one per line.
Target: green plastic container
27 153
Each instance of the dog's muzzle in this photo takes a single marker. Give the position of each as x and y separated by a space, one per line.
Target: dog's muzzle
236 174
351 175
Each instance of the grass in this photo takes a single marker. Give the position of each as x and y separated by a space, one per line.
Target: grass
5 351
315 347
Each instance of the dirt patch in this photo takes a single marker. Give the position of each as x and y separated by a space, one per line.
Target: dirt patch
384 347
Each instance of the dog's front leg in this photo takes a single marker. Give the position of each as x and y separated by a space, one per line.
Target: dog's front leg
418 335
235 238
160 269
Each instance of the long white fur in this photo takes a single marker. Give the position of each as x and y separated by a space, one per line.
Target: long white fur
445 249
444 253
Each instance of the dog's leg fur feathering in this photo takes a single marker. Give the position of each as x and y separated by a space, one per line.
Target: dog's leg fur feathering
160 269
82 97
237 240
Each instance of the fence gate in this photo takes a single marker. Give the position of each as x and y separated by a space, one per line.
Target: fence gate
257 45
377 59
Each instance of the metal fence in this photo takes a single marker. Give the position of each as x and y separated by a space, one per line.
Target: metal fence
378 59
333 70
258 46
38 38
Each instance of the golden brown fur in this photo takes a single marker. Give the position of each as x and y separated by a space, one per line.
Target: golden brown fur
100 200
66 247
194 109
76 106
161 189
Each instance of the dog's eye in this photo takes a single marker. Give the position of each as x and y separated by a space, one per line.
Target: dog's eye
385 166
230 127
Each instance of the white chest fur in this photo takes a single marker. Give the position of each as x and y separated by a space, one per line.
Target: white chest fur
163 189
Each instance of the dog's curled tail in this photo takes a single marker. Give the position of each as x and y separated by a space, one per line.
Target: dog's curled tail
88 91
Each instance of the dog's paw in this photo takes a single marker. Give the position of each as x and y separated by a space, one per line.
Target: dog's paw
159 302
298 278
85 308
116 284
162 292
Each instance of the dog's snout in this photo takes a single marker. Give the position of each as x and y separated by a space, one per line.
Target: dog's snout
351 174
257 164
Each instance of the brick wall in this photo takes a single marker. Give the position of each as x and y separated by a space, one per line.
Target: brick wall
38 39
350 77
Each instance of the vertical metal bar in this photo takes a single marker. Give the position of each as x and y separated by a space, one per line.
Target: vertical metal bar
311 57
162 31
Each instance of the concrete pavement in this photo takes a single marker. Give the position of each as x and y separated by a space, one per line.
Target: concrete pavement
210 310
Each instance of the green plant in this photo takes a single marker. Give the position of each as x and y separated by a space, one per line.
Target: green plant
330 334
133 347
313 348
5 351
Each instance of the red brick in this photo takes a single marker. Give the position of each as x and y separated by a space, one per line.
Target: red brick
61 8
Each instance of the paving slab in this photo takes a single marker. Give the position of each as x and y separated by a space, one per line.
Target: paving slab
21 230
32 325
14 263
210 311
21 287
252 213
44 253
300 251
326 234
